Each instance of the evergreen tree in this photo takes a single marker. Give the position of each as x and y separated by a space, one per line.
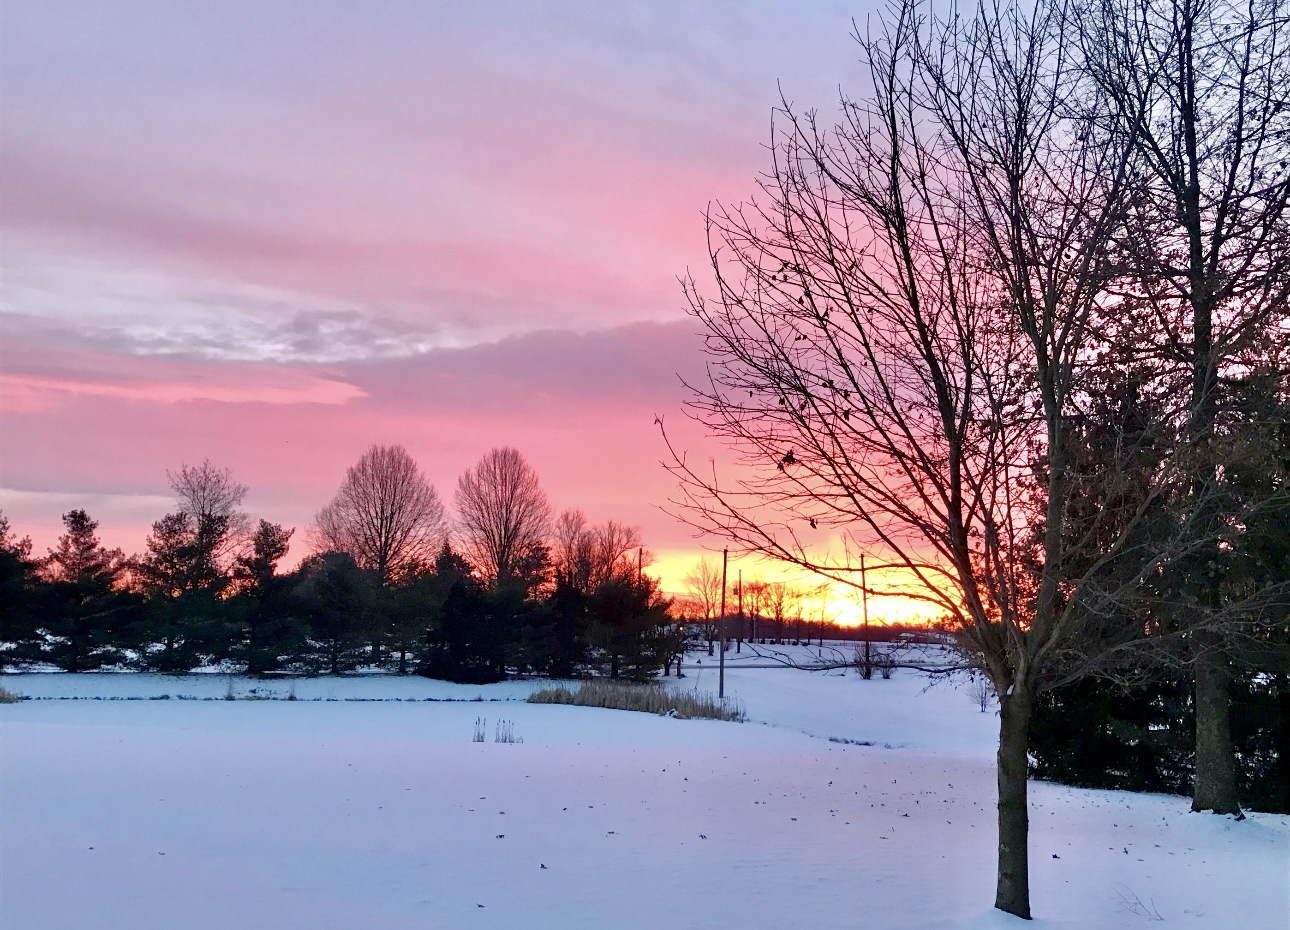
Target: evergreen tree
271 633
630 627
187 621
409 611
18 595
465 644
334 597
566 639
86 611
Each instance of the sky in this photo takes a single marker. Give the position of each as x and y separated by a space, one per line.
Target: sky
271 234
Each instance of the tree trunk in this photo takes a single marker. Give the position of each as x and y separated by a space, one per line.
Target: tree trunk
1283 740
1013 892
1214 788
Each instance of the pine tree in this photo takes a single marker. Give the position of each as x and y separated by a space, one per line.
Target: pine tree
187 621
270 632
18 594
87 612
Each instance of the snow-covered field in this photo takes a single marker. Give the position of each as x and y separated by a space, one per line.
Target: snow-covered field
325 812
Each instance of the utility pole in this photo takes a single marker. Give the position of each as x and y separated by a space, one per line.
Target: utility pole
864 597
721 674
640 564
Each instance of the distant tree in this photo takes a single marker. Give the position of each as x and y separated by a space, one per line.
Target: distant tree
503 514
182 555
386 515
631 630
86 613
211 497
18 595
587 556
756 596
465 645
254 571
271 631
181 577
573 549
334 598
9 541
207 491
567 641
783 601
409 611
703 584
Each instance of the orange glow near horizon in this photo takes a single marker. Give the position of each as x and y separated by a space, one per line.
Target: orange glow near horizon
837 602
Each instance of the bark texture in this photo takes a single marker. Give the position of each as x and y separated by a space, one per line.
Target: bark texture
1215 781
1013 891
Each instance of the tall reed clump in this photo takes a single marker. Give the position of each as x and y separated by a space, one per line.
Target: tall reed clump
649 699
8 697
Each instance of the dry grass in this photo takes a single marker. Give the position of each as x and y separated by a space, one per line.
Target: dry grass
8 697
649 699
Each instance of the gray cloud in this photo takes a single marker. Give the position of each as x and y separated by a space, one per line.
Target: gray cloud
642 362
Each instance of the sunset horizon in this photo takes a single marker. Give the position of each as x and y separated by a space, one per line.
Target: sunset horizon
307 267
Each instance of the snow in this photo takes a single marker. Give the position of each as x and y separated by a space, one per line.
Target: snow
363 804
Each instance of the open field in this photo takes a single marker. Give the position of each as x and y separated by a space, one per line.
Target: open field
338 813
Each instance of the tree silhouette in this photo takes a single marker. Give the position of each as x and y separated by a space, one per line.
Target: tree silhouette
386 515
897 332
502 513
82 625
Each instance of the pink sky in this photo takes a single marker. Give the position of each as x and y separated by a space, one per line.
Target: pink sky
272 234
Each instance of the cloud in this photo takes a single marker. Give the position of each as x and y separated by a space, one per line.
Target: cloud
70 303
435 176
36 392
37 379
273 233
642 362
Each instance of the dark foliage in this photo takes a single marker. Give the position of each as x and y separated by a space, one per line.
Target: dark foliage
1095 734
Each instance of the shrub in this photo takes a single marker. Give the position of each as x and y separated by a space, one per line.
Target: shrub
8 697
647 698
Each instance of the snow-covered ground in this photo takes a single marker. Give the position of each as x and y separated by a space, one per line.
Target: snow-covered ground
379 813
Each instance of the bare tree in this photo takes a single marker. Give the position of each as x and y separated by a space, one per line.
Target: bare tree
895 344
755 599
574 548
210 497
782 601
1200 87
703 585
981 692
502 513
619 552
386 515
587 556
206 491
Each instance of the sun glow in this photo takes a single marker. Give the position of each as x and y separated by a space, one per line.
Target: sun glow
821 599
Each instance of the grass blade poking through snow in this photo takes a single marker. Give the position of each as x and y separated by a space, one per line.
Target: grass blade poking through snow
649 699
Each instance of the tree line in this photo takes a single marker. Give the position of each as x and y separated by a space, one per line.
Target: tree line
388 583
1014 324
